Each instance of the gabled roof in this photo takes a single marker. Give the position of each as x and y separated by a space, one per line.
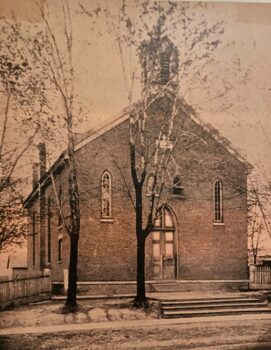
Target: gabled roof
191 113
59 165
224 142
83 139
119 118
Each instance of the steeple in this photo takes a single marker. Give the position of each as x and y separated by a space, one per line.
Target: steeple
159 61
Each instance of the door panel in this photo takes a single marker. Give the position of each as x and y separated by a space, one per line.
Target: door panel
156 255
168 256
169 236
168 250
163 251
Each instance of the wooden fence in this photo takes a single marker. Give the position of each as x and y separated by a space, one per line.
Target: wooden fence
25 288
260 277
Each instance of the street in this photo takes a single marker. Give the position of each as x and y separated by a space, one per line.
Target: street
220 335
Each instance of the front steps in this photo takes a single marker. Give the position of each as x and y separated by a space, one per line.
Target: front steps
236 305
198 285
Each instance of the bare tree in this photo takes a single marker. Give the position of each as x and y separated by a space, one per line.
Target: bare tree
12 218
258 214
61 76
142 41
20 91
53 57
256 223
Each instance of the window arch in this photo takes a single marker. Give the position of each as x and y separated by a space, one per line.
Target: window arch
218 198
177 189
106 186
164 219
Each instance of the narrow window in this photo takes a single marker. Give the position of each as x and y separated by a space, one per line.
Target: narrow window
218 201
60 205
164 60
34 238
49 229
177 186
106 195
59 250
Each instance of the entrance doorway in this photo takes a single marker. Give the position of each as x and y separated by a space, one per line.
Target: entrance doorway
164 247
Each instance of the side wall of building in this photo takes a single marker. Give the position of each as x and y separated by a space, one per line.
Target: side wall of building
55 252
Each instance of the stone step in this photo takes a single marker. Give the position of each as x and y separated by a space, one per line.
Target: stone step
215 312
213 306
216 301
190 286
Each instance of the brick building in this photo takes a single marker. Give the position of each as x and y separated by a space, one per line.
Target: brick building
202 231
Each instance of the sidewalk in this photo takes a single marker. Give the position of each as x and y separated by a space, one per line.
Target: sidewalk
201 294
168 295
129 324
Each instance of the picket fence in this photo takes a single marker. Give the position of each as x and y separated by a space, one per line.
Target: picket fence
24 288
260 277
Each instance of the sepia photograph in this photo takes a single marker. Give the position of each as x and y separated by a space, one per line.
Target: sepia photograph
135 175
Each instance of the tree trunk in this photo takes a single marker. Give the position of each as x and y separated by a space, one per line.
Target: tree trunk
71 303
140 299
254 258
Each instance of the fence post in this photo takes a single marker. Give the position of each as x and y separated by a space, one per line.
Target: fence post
22 289
47 272
252 270
66 279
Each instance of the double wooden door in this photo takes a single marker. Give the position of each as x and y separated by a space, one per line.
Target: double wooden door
164 256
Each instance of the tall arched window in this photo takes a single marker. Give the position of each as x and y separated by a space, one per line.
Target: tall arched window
218 197
106 195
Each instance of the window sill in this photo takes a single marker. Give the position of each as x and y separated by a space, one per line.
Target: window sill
149 195
107 220
219 223
178 196
59 262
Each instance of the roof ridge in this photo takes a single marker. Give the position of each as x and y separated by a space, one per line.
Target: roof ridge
120 117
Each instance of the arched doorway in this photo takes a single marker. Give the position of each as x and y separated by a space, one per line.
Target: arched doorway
164 253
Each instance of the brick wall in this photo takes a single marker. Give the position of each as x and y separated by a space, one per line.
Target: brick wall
107 250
